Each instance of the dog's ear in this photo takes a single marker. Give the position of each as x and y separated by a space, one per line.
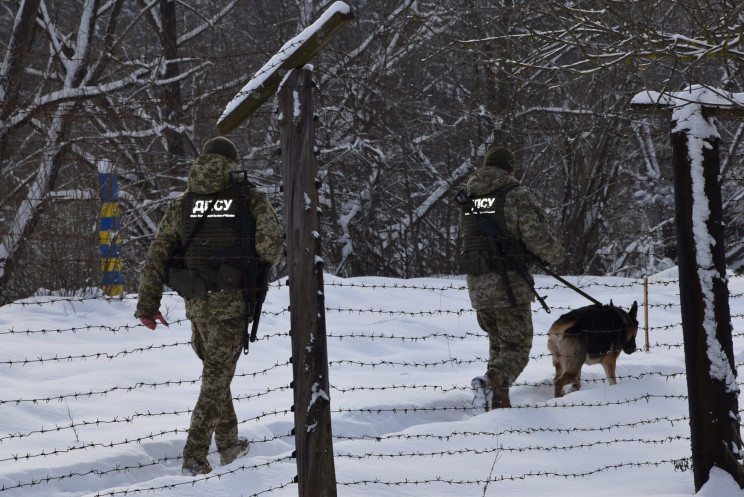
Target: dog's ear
634 310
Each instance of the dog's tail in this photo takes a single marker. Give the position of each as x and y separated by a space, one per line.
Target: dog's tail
562 326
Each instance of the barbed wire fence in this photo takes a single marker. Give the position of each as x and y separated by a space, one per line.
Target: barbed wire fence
55 439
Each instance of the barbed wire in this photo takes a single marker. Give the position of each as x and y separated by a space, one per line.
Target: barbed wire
681 462
41 300
452 388
77 395
340 336
516 431
156 462
339 362
97 355
460 286
455 360
501 448
90 327
128 441
557 405
372 335
414 364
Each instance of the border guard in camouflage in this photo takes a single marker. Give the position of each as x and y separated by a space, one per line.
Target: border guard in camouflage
500 295
209 280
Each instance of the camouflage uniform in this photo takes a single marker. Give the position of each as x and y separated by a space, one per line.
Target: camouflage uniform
217 319
509 327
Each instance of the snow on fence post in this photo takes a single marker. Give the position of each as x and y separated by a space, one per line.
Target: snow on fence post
294 54
109 232
706 318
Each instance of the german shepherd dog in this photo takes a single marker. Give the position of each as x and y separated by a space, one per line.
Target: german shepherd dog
593 334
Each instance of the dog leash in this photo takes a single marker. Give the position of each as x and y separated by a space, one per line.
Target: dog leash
569 285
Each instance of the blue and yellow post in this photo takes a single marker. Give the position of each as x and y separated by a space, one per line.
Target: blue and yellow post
109 235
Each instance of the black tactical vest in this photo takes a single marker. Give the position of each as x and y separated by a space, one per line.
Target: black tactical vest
217 242
478 254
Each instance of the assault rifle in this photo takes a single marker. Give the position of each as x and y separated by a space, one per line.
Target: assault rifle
505 252
255 274
261 289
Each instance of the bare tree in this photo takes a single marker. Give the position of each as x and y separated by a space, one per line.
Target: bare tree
91 93
408 102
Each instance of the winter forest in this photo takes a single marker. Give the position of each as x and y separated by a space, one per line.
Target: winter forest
408 99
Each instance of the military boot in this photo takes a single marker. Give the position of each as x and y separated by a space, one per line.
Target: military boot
481 392
499 394
194 467
229 454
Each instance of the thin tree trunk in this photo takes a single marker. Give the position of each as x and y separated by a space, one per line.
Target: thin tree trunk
172 100
24 28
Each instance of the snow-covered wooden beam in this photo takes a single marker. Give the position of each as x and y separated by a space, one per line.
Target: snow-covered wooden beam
714 102
294 54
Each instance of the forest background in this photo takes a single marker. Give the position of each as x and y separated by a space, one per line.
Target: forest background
408 99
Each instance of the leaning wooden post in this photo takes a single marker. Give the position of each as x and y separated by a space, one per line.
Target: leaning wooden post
316 475
294 54
706 319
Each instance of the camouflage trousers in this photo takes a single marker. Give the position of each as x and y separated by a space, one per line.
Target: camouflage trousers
510 339
219 345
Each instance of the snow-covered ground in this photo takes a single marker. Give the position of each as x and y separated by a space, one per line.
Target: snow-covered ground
93 404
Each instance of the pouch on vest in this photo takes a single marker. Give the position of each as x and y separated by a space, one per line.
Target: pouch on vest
229 276
186 282
475 263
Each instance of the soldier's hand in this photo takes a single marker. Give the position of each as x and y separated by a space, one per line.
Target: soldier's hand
151 321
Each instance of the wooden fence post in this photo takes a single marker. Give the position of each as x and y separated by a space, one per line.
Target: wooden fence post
316 474
712 394
706 317
313 439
